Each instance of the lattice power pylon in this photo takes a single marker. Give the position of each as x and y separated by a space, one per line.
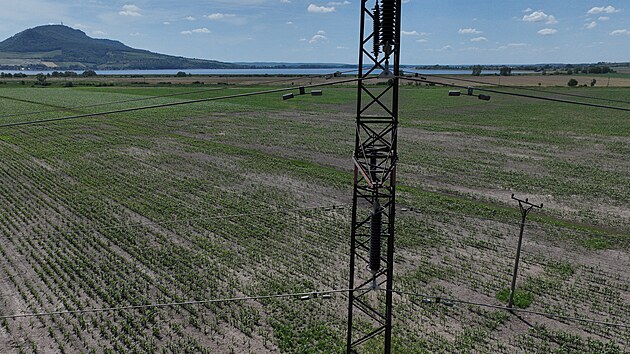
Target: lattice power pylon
374 195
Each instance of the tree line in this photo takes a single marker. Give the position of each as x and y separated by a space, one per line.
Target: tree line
86 73
568 70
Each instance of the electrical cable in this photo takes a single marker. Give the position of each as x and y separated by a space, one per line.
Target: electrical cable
518 94
182 221
101 104
163 96
531 223
520 88
440 299
173 104
314 294
438 212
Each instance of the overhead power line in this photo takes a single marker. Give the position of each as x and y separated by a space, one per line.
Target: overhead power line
423 211
517 94
176 94
183 221
173 104
521 88
446 300
312 294
101 104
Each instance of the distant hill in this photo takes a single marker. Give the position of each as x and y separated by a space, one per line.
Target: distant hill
63 48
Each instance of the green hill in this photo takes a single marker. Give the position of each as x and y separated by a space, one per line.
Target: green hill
62 47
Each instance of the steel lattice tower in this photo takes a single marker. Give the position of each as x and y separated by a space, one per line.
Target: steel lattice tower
374 195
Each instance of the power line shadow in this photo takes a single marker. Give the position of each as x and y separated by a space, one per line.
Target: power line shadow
544 334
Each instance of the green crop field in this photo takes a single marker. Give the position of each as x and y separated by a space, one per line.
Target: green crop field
234 198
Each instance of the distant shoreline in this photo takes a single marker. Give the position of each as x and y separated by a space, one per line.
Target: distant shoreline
460 77
252 72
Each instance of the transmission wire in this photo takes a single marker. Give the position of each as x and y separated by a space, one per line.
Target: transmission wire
518 94
173 104
520 87
510 309
162 96
183 221
172 304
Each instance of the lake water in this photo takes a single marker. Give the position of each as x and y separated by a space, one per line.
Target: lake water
246 72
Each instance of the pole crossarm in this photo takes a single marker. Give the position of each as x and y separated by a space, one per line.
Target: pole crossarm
526 206
375 159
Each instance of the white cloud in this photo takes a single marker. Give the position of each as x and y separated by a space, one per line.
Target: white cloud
339 3
99 33
130 10
479 39
289 22
166 23
220 16
602 10
135 34
198 30
469 31
590 25
528 10
312 8
285 1
540 16
190 18
422 40
604 18
319 37
412 33
446 48
547 31
620 32
79 26
229 18
512 45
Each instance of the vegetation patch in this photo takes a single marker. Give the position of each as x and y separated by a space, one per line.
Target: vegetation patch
522 298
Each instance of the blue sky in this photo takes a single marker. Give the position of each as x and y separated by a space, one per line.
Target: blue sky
434 32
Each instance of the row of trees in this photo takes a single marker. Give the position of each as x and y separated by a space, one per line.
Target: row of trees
9 75
570 70
86 73
574 83
503 71
595 70
41 78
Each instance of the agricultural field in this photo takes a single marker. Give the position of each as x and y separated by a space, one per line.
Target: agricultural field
250 196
